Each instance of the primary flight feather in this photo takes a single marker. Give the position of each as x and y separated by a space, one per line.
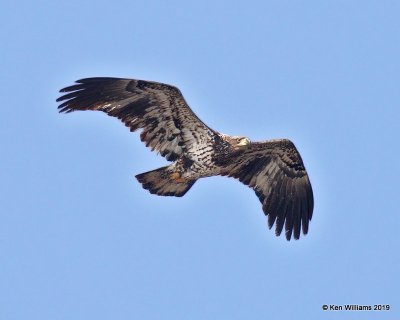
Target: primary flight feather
273 168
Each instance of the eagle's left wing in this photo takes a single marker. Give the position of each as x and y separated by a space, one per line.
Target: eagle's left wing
275 171
168 124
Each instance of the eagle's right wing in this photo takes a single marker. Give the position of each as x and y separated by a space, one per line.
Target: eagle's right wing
275 171
169 125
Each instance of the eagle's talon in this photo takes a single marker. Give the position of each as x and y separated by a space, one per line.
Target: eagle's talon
176 176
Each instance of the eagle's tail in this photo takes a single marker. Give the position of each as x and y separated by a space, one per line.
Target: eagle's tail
163 182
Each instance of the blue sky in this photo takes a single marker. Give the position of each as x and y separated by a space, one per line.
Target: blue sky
80 238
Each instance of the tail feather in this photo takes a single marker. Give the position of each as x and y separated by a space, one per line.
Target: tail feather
159 182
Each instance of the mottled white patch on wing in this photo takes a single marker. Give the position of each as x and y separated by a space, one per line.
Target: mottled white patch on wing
168 125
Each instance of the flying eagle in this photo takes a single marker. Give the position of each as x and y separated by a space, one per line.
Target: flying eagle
273 168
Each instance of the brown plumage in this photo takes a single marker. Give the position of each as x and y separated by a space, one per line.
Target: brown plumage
273 169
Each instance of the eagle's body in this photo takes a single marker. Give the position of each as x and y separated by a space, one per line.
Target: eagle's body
274 168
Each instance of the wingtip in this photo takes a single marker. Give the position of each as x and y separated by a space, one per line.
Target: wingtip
288 235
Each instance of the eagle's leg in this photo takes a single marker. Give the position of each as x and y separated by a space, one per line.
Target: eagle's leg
179 169
177 177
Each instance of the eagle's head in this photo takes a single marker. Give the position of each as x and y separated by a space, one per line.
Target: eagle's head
240 143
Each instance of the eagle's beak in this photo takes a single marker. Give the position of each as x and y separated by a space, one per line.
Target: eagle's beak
244 142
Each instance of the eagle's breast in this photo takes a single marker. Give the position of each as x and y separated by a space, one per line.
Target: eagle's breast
223 152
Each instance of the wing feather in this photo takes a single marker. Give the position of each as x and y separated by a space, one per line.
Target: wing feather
275 170
292 214
168 125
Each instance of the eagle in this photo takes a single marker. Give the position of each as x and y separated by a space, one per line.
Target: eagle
274 169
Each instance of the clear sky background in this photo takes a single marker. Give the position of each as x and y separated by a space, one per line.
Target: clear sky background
80 238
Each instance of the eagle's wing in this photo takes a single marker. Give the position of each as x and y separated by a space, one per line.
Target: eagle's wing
169 125
275 171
